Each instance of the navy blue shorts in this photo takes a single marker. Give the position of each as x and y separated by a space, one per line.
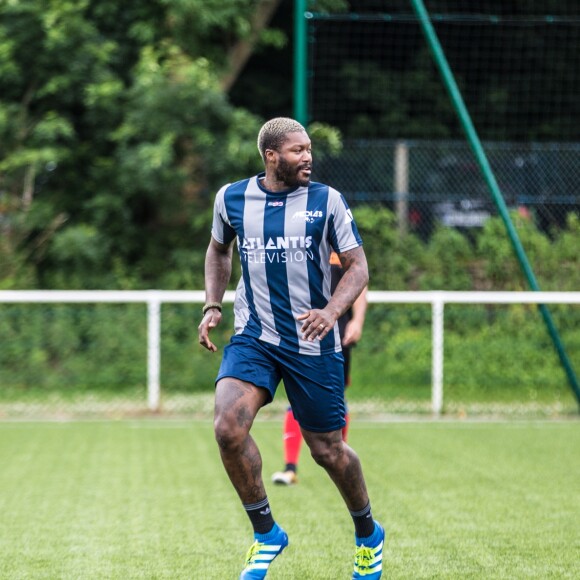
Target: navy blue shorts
314 384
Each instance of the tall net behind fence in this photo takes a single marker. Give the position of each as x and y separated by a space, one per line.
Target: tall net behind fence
445 187
517 65
518 68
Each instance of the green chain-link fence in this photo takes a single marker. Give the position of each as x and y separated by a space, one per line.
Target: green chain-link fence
438 182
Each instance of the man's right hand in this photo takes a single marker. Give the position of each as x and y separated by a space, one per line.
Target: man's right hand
210 320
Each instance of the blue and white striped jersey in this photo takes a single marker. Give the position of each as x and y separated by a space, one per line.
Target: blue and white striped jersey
284 241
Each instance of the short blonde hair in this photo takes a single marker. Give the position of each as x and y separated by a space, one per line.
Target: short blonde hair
273 133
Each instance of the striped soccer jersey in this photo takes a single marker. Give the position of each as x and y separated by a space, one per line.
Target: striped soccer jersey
284 241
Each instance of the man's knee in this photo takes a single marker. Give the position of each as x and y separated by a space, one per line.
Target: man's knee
228 432
327 449
236 406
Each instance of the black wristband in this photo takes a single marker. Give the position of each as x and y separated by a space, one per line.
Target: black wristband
211 305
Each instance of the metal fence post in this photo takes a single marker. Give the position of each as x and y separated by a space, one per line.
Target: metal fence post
402 186
437 356
153 352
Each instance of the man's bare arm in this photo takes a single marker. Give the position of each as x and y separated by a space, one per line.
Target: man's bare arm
354 327
318 323
218 269
352 283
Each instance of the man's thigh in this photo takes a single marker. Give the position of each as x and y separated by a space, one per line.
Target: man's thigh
238 402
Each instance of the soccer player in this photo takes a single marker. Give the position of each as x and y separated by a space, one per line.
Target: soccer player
350 327
286 329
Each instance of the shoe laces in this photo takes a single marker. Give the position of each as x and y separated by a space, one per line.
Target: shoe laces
364 556
253 552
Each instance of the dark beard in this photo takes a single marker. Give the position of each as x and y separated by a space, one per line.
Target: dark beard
288 174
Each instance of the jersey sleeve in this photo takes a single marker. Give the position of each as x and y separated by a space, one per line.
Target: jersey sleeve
342 231
221 229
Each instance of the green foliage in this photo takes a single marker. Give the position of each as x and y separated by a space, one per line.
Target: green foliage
504 355
326 140
564 259
102 348
391 257
492 354
113 120
502 267
451 260
115 132
72 347
445 261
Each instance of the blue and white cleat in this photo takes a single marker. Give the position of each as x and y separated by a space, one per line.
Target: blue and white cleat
262 553
368 559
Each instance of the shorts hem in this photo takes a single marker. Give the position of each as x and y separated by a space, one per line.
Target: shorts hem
321 430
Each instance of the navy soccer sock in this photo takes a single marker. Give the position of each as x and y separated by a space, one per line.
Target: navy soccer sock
364 525
260 515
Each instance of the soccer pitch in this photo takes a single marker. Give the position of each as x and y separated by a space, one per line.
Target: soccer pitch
150 499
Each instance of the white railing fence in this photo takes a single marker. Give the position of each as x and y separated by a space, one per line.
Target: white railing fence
154 298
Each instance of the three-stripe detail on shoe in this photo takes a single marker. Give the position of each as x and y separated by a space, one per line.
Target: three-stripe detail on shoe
368 560
261 555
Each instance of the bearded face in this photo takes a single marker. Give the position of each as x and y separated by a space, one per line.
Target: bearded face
289 165
293 174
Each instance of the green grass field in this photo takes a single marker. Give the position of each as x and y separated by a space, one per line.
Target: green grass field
149 499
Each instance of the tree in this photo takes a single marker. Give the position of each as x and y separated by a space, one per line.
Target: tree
114 130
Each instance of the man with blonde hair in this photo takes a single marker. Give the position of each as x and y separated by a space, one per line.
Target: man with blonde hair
286 227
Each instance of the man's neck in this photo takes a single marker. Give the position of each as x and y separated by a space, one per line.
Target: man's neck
273 185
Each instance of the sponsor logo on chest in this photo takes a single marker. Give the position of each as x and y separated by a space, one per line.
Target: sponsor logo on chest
308 215
278 243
